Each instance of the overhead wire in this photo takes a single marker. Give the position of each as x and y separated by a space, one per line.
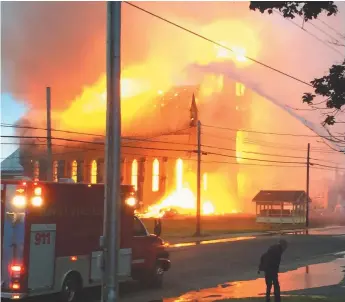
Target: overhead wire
145 148
269 154
274 145
216 43
254 159
342 35
309 33
93 142
157 156
270 133
326 166
135 139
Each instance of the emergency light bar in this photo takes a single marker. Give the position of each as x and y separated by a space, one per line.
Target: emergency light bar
20 199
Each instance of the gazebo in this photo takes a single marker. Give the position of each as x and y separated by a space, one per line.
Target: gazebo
278 207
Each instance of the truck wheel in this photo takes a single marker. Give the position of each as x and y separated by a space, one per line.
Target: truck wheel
156 280
71 288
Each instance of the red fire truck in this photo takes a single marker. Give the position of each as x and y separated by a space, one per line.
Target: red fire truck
51 234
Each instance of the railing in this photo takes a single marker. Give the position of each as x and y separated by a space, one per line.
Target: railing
279 213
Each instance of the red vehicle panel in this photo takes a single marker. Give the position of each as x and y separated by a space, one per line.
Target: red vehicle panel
60 227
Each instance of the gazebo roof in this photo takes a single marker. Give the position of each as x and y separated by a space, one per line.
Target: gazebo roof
273 196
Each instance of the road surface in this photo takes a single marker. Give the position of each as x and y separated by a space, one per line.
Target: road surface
206 266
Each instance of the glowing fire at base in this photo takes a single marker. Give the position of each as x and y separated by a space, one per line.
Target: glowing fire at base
183 201
208 208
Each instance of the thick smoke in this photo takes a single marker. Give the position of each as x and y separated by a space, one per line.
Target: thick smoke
62 44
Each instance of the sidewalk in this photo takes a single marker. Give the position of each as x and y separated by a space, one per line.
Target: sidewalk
175 242
191 240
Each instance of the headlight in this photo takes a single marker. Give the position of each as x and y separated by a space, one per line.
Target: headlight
131 201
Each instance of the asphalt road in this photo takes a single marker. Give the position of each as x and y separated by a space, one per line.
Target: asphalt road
206 266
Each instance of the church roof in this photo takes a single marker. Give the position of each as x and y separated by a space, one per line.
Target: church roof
12 163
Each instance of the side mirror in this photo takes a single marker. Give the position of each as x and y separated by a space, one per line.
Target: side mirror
157 230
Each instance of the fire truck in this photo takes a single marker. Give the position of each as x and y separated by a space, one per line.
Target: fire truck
50 240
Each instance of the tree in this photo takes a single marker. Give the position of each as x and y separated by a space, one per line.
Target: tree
332 86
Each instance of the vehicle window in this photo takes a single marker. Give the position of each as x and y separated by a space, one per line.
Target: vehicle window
138 228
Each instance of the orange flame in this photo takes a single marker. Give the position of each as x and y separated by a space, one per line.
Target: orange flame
182 200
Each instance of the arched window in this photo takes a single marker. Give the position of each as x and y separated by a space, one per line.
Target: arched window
179 174
134 176
93 172
155 175
36 170
74 171
55 170
240 88
204 181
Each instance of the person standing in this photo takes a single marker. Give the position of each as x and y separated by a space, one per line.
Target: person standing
269 264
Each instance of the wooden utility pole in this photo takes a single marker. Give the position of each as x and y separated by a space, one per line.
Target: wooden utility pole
110 240
198 192
307 189
49 137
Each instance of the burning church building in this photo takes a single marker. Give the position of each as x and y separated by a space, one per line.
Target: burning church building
161 166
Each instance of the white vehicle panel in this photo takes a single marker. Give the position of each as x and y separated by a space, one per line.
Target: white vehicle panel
42 256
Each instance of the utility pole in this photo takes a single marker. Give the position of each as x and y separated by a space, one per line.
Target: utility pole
198 192
110 240
307 202
49 137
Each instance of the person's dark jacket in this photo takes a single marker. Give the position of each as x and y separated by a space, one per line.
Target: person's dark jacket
270 261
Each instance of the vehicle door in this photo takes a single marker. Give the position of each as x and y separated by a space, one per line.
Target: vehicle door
141 251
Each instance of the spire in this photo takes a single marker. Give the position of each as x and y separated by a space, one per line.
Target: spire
193 113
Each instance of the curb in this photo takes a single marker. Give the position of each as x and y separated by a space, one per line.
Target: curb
229 238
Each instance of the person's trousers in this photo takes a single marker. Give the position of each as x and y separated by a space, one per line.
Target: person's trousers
272 279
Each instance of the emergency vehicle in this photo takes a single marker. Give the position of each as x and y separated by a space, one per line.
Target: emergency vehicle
50 241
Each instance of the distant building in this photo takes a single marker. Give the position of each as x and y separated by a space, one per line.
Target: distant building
11 167
156 166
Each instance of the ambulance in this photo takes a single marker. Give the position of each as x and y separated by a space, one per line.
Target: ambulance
50 240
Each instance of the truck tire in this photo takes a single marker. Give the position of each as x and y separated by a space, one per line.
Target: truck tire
156 277
71 288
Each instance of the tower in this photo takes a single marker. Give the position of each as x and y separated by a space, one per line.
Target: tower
193 117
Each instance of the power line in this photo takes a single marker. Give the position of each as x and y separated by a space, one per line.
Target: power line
271 133
206 146
90 142
56 130
311 34
269 154
256 159
252 152
141 154
150 155
255 165
148 148
216 43
250 141
332 28
323 31
326 166
178 143
274 145
103 136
